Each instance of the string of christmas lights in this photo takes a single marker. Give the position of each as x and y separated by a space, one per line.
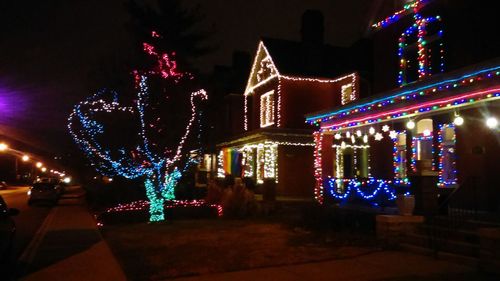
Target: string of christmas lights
409 111
447 150
404 96
318 168
142 205
352 187
407 9
273 76
160 171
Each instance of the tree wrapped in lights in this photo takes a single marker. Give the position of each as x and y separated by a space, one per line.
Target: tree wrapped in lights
161 170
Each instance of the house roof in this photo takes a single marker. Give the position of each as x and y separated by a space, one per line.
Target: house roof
471 80
306 60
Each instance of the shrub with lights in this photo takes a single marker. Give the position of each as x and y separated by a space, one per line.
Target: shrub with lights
161 168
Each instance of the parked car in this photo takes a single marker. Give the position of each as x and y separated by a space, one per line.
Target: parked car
44 192
7 230
3 185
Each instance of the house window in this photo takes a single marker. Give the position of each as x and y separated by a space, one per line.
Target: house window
348 94
267 109
422 146
421 50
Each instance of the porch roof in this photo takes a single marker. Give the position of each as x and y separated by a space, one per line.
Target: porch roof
462 87
277 135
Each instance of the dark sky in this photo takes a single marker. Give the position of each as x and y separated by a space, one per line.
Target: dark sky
48 48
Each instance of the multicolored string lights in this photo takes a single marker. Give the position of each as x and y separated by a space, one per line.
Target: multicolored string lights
160 170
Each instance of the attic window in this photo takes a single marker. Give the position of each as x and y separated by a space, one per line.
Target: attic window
348 93
266 69
267 109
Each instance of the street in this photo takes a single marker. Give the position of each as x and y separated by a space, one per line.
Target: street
29 219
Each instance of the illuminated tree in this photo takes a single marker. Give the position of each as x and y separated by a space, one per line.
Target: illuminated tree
161 168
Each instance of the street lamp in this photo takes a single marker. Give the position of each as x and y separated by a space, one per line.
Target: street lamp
44 169
25 158
39 164
3 146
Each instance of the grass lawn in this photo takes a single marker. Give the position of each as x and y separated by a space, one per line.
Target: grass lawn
193 247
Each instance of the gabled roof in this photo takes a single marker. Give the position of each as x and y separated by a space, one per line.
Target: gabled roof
277 57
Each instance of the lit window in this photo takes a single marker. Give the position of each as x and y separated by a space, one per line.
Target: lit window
348 94
422 146
267 109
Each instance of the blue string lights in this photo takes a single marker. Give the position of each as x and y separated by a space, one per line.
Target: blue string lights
369 189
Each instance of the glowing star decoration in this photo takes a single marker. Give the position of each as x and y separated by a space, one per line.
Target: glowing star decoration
161 171
371 130
338 136
393 134
385 128
378 136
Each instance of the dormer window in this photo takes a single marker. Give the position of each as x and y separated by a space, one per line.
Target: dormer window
348 94
267 109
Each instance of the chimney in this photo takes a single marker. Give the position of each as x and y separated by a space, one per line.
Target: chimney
312 29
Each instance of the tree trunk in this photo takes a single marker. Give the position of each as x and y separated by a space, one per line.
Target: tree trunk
156 209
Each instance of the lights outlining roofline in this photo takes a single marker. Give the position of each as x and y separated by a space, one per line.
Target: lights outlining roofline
404 95
249 90
457 101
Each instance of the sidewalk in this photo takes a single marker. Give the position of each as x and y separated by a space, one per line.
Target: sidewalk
68 246
379 266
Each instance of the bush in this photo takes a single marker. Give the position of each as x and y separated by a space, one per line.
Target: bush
236 199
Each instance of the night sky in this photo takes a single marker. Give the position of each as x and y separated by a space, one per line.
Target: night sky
48 50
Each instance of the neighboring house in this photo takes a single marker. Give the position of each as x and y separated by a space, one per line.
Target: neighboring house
430 135
287 80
